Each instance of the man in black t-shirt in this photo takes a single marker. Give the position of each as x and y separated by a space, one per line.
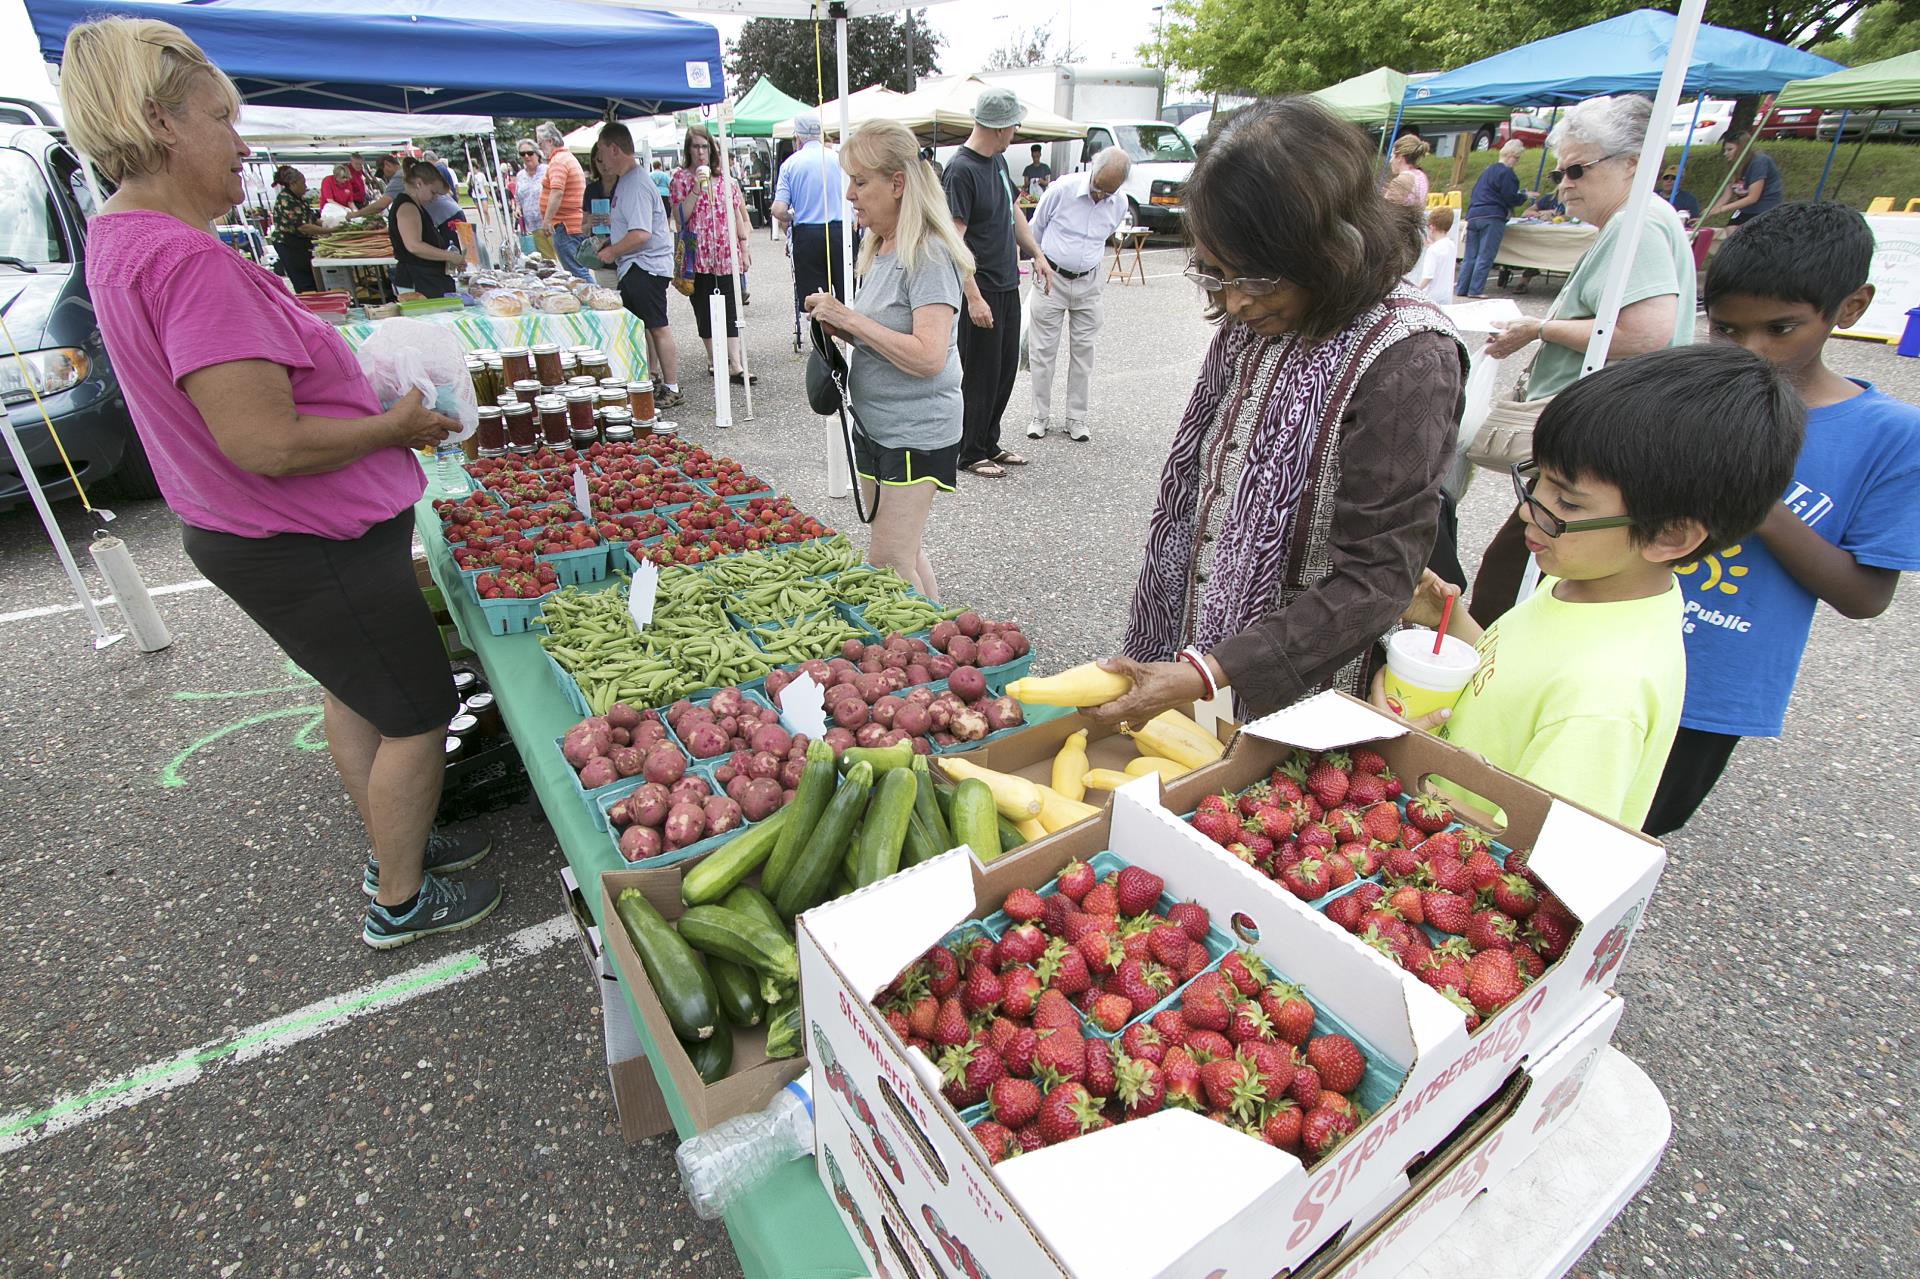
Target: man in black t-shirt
980 196
1037 176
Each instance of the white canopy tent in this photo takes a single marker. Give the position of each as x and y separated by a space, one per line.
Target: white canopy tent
290 128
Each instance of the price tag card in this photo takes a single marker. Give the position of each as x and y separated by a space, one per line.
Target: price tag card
641 592
803 708
581 501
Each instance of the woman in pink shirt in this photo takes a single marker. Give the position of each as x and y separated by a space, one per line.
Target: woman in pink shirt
1408 185
294 487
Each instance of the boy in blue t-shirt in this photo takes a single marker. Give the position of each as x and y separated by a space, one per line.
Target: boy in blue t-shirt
1849 524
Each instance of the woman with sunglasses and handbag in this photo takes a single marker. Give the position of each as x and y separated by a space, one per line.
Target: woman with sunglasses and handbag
1301 495
1597 146
904 376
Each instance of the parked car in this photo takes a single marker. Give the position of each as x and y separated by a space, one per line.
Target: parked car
1890 124
44 206
1708 128
1792 122
1531 127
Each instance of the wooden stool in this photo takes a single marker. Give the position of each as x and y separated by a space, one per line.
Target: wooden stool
1121 269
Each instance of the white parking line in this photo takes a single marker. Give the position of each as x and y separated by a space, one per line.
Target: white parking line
197 584
23 1128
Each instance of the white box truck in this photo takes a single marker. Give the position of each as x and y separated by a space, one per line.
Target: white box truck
1118 105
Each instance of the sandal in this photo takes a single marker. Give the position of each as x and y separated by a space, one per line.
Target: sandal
988 468
1005 458
741 379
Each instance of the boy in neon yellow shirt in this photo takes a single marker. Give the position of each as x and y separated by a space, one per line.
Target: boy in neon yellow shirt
1643 466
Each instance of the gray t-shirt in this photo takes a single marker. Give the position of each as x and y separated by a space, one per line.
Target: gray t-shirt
898 410
637 206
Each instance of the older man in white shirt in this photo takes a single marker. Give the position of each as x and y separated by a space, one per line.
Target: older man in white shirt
1076 217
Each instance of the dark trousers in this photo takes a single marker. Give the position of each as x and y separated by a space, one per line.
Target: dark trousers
704 287
988 360
296 263
1481 242
1444 560
1502 566
1693 766
812 241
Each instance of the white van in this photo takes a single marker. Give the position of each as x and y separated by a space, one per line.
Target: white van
1162 163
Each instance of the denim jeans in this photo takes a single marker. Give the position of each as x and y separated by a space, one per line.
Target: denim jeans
1476 255
564 244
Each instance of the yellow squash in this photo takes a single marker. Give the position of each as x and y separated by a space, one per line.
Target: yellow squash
1015 797
1105 779
1160 764
1070 766
1084 685
1058 812
1173 736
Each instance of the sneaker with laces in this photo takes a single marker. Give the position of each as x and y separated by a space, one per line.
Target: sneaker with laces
1077 432
444 906
447 851
1036 430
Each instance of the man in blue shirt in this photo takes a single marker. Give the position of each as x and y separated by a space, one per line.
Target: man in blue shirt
640 249
1492 203
1757 188
808 197
1684 203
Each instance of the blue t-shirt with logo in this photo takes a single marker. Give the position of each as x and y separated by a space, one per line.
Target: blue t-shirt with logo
1747 619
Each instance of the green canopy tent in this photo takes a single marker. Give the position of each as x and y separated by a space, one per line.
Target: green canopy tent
1374 96
1891 82
764 106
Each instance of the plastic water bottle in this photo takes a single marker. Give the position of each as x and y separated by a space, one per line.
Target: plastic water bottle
449 467
732 1157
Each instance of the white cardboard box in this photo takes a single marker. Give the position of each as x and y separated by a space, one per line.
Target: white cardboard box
1258 1209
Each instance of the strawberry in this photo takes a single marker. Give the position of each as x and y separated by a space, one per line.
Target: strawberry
1339 1062
1458 999
1402 863
1281 1127
1182 1075
1445 967
1099 1078
1066 1112
996 1140
1221 828
1133 945
1392 784
1364 858
1446 912
1030 1139
1168 944
1021 944
1250 800
1446 872
1436 845
1272 1064
921 1016
1220 803
1061 911
1019 1053
943 972
1518 863
1078 925
1490 930
1097 949
1367 760
1327 779
1345 825
1244 969
1143 984
1248 1022
1192 918
1340 1105
1493 980
1101 899
1064 969
1014 1101
1024 906
1514 896
1208 1045
1052 1010
1289 1012
1415 953
1221 1080
1138 889
1171 1026
1473 840
1369 895
1062 1055
1272 821
1429 813
1346 912
1141 1040
1364 789
982 990
1110 1012
1075 878
968 1070
999 1033
1314 836
1195 962
1549 933
1529 963
897 1023
1483 868
1019 989
1321 1130
1306 879
1340 871
1140 1086
1251 847
950 1023
1305 1087
1406 902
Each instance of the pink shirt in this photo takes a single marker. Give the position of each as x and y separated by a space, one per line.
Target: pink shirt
171 301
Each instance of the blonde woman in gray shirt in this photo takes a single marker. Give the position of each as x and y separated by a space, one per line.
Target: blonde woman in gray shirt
904 374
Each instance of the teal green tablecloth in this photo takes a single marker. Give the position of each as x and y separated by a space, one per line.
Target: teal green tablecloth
785 1227
617 333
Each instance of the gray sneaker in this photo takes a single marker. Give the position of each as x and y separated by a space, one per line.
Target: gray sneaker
1037 430
447 851
444 906
1078 433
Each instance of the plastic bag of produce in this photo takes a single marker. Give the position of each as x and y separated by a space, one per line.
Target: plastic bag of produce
402 355
334 216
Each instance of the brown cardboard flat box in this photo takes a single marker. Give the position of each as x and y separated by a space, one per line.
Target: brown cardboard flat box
637 1099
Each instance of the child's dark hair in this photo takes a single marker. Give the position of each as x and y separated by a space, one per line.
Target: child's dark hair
1707 433
1818 254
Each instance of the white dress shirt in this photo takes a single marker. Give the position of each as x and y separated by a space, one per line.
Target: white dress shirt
1072 227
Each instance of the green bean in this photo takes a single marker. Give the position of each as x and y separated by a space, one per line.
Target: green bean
906 614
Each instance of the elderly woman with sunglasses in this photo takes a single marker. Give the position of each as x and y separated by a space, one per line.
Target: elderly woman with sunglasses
1301 494
1597 147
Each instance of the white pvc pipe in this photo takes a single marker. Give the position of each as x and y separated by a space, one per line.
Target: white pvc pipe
839 477
101 635
115 562
717 325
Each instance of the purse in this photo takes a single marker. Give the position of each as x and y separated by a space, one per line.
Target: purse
683 263
1505 435
827 375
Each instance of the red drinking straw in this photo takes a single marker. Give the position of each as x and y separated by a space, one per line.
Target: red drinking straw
1446 615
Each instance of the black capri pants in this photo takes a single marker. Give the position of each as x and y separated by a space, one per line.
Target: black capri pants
349 613
705 286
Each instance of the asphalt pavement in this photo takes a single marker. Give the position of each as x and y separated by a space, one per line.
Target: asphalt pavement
182 879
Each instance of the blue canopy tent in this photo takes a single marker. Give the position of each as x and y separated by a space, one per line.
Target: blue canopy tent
562 58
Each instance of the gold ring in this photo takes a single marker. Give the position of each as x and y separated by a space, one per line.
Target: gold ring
1126 729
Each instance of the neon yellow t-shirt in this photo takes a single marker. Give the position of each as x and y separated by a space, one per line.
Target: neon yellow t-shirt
1580 699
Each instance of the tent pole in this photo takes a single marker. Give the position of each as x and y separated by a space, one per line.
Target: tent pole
1858 148
1827 168
1553 118
839 474
1739 161
1680 170
1652 149
1394 132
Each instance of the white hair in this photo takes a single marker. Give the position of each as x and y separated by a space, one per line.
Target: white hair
549 135
1114 155
1617 125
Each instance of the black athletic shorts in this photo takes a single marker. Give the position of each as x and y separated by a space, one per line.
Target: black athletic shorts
645 294
349 613
940 467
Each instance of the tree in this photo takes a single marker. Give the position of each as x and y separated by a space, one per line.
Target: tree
1033 47
1885 30
785 50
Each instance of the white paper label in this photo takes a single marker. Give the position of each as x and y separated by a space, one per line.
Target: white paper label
802 707
699 75
641 592
581 501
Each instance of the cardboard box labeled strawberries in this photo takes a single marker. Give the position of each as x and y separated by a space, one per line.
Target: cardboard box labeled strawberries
1258 1209
1602 872
755 1077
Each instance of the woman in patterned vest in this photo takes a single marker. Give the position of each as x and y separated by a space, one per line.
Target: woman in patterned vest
1302 491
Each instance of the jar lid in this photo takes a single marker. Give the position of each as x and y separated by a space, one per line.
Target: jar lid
489 410
567 360
454 747
465 679
519 351
546 348
644 384
518 410
475 362
617 382
482 352
619 433
590 353
583 381
493 360
508 399
615 417
528 386
479 702
549 403
581 395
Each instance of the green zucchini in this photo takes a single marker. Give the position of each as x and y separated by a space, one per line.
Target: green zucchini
926 806
749 900
943 799
974 819
882 759
713 1057
849 860
733 861
680 981
840 887
810 799
1010 836
805 886
877 847
919 846
739 989
742 939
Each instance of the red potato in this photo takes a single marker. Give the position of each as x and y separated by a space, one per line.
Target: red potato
970 725
598 772
772 738
649 803
871 666
686 824
698 714
820 669
896 659
621 715
790 771
963 651
762 799
940 666
849 713
995 651
872 686
763 764
912 719
942 635
834 692
736 763
838 738
617 814
737 787
836 665
1017 641
622 737
691 789
853 650
847 676
665 765
628 761
786 797
728 724
892 737
725 702
638 842
705 740
776 681
939 715
970 624
650 734
677 711
722 814
885 709
944 739
921 746
968 683
797 748
577 747
919 696
868 735
1002 712
917 673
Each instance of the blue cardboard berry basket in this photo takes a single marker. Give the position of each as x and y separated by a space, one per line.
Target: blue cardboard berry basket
757 697
590 798
608 796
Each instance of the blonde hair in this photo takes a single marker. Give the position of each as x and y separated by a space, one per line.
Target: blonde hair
887 147
111 69
1410 148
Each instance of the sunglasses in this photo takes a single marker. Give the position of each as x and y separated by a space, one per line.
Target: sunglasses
1578 171
1252 286
525 155
1526 475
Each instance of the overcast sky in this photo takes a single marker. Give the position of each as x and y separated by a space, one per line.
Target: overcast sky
1107 32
